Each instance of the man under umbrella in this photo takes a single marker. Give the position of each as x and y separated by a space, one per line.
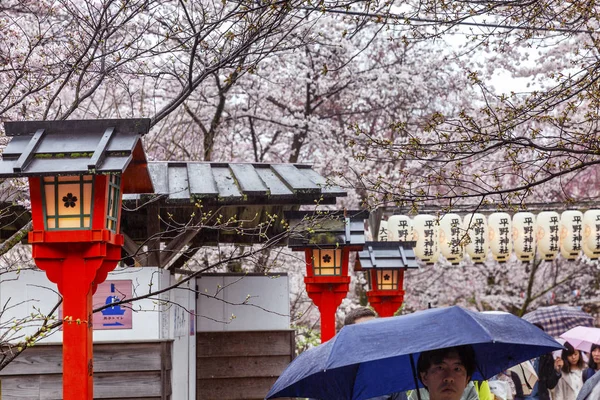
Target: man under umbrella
445 373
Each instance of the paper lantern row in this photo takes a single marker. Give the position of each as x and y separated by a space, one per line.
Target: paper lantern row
526 234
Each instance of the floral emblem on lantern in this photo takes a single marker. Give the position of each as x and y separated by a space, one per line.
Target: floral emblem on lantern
327 258
69 200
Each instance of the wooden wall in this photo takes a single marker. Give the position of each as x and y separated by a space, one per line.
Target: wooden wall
132 370
241 365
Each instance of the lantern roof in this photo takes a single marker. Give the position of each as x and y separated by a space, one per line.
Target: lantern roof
77 147
326 228
388 255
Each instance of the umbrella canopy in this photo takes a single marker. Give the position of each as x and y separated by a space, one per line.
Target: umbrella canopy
377 357
582 337
556 320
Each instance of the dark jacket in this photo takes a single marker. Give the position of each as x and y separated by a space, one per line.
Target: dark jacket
547 376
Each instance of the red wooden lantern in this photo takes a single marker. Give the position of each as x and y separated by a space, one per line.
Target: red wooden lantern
327 238
384 264
77 173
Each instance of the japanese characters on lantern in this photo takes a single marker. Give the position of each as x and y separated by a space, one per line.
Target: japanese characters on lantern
451 238
476 227
526 234
591 234
427 236
571 234
548 234
500 232
382 234
400 228
523 235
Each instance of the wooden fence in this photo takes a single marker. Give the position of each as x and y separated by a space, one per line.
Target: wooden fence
241 365
125 370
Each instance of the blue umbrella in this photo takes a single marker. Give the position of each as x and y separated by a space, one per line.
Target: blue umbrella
379 357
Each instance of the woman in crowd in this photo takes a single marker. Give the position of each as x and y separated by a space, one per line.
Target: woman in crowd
571 381
593 362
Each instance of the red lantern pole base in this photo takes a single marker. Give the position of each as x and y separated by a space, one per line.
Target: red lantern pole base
77 268
327 296
385 302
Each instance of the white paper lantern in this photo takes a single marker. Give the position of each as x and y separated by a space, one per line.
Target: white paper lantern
591 234
524 234
427 236
400 229
451 238
500 233
571 234
548 239
476 227
382 234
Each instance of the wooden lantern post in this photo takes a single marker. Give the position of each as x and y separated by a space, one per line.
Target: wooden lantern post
327 238
384 264
77 171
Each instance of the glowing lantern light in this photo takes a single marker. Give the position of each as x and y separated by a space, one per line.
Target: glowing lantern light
427 235
451 235
591 234
571 237
548 239
476 227
524 231
500 231
382 234
400 228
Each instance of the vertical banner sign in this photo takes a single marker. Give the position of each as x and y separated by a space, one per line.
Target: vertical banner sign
571 237
548 234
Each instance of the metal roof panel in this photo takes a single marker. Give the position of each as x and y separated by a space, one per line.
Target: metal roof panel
202 182
248 180
294 179
179 187
226 183
276 186
321 181
160 177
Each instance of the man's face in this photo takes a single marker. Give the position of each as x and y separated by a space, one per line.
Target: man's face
446 380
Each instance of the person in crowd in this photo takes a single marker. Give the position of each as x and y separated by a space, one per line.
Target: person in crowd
445 373
590 389
363 314
472 392
571 381
593 362
358 315
548 371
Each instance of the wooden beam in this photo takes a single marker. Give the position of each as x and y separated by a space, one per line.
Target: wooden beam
174 247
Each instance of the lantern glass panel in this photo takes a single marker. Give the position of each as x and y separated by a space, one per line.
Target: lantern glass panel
327 262
114 194
387 279
68 201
